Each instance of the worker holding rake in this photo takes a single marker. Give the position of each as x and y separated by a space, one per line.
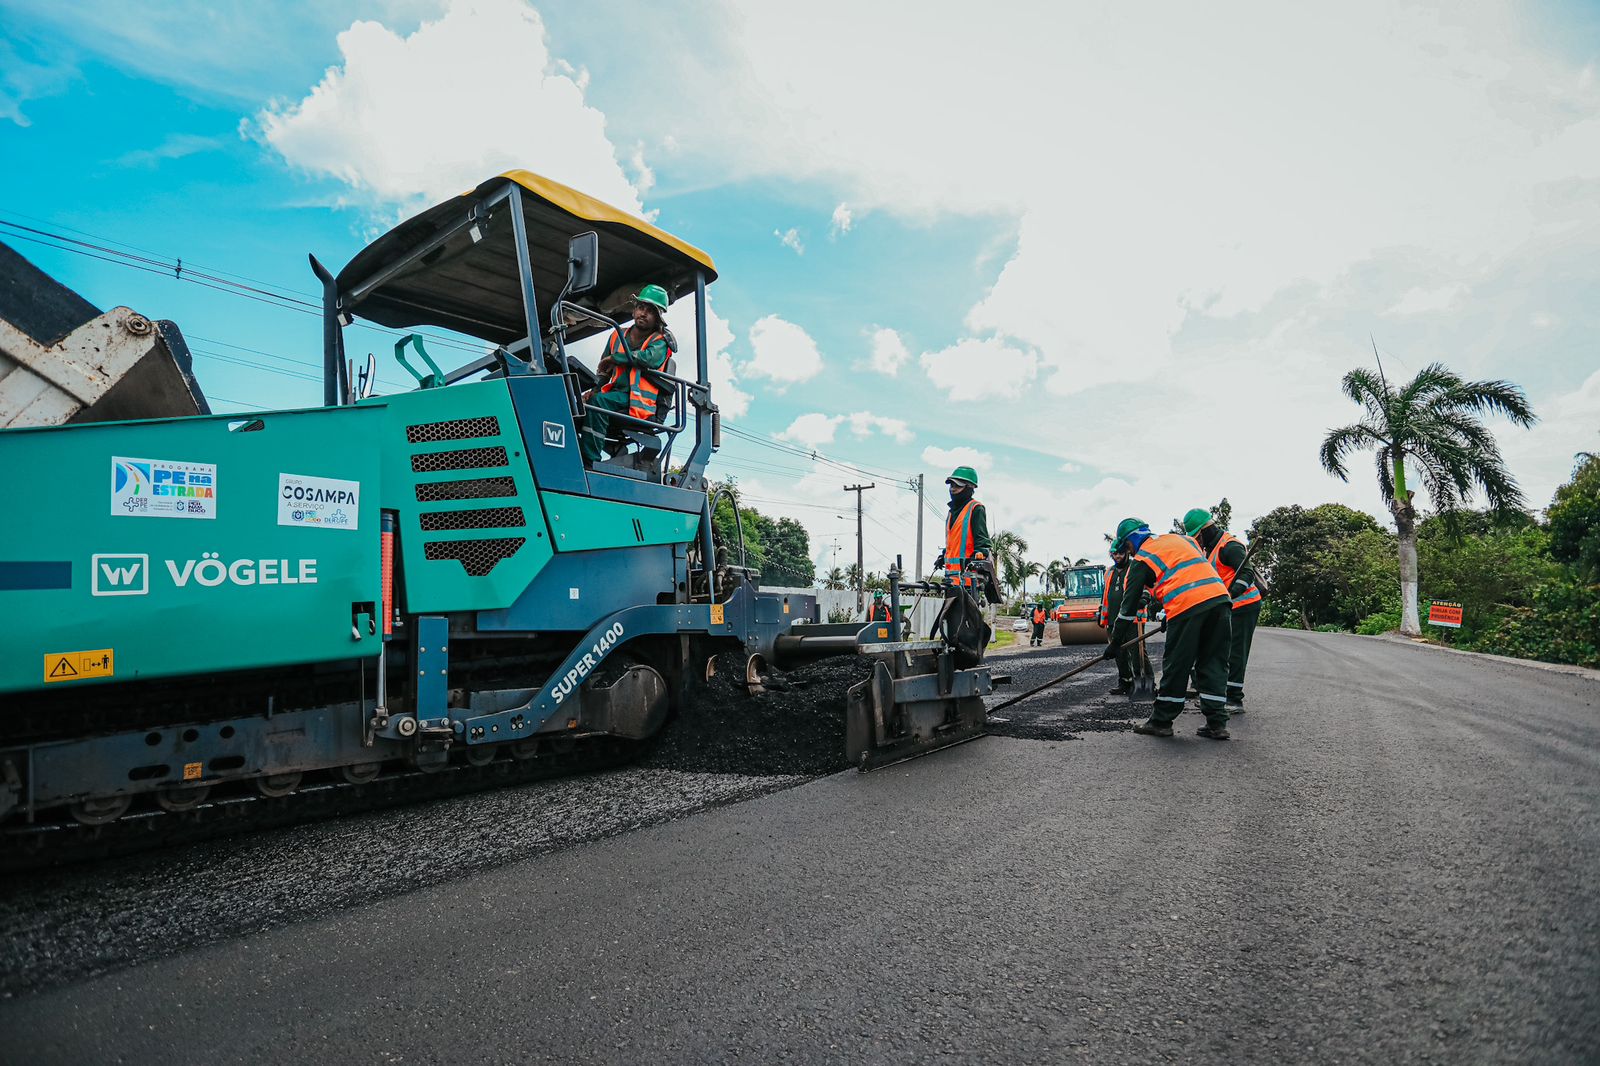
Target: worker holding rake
1198 610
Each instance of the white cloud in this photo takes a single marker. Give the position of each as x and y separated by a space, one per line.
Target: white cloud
863 423
1568 424
947 459
782 352
975 369
815 429
812 430
889 352
1421 301
408 121
842 220
733 401
1466 135
790 239
1069 468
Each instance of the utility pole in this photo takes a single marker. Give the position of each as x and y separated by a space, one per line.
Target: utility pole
861 570
919 525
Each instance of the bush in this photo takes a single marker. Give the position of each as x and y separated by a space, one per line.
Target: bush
1331 627
1374 625
1562 626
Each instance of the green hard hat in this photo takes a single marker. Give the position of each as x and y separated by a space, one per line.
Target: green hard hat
1196 520
964 473
654 295
1124 528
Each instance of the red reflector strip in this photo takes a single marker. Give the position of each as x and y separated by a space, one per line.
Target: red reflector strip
388 584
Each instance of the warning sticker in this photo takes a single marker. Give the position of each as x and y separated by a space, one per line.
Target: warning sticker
716 614
192 771
78 665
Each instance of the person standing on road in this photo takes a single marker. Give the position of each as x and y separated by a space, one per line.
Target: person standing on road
879 611
1110 599
1197 609
1226 553
968 551
1039 617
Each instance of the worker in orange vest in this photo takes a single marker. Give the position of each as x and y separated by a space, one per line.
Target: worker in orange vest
967 559
647 345
1198 611
879 611
1039 617
1227 553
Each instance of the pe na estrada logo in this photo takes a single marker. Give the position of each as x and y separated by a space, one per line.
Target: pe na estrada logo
129 574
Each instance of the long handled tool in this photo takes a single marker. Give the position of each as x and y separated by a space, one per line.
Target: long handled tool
1074 672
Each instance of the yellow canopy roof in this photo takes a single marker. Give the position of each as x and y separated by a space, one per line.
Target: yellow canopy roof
470 283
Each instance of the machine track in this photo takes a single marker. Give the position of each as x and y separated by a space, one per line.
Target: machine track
242 809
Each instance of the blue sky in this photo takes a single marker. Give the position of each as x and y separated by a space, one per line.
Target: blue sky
1124 261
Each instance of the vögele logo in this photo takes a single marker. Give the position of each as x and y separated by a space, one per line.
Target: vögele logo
119 574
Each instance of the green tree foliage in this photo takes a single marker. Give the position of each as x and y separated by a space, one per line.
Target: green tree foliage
1055 575
1488 562
779 548
1313 577
1222 514
1009 551
1574 517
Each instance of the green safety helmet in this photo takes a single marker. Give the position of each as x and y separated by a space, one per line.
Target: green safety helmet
1126 528
1196 520
964 473
655 296
877 594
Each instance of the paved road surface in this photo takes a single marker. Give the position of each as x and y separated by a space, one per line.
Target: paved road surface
1395 860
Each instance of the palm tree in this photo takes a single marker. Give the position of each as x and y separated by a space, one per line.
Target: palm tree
1055 575
1029 570
852 576
834 581
1436 420
1008 550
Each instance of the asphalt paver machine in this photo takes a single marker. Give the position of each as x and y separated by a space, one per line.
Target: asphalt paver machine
199 610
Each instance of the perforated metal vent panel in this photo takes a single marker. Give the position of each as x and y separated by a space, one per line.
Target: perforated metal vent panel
455 429
465 459
477 557
474 489
488 518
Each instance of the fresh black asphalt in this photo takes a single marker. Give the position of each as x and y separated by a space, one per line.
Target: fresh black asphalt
1393 861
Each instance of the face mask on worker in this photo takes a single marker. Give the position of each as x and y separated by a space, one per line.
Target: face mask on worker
959 490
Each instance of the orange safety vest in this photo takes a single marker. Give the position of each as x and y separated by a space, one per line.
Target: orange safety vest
642 391
1039 616
1226 573
878 612
1184 579
958 544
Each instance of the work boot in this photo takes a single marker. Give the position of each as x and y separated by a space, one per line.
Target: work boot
1123 687
1235 702
1212 732
1153 728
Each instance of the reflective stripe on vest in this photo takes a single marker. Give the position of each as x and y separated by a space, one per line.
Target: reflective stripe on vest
958 546
642 391
1183 577
1227 573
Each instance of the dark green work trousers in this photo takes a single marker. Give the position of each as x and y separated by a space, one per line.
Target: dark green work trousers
1128 662
1244 630
1197 642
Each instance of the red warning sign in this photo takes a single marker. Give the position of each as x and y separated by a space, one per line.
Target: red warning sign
1444 614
